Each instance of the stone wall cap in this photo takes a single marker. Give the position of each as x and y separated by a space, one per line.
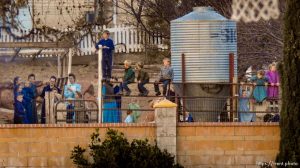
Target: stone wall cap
165 104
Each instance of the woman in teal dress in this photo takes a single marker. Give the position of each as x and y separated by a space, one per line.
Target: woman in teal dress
260 82
111 113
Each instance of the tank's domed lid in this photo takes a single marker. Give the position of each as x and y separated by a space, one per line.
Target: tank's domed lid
201 13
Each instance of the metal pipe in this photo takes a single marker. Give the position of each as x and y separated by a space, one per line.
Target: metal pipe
231 75
183 83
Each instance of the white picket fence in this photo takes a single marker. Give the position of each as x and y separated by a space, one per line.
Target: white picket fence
126 38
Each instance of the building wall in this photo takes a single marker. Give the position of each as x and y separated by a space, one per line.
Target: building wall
51 145
60 14
198 144
227 145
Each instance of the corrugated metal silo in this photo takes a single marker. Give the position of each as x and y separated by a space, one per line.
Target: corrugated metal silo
206 38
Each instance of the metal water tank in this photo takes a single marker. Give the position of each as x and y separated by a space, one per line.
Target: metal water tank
205 38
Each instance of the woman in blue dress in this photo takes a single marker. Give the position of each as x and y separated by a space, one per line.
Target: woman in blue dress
16 84
118 99
110 110
244 111
28 97
17 81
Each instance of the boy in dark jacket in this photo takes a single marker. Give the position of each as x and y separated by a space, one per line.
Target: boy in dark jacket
107 54
128 78
142 78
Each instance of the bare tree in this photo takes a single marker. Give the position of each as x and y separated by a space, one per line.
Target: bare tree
258 43
79 28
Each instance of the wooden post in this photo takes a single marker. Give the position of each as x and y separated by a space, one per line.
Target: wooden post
59 68
100 84
70 60
64 66
49 107
51 112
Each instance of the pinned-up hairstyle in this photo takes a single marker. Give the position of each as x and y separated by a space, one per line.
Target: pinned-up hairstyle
273 64
261 72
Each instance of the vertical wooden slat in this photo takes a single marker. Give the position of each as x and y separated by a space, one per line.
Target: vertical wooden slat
70 61
58 66
47 106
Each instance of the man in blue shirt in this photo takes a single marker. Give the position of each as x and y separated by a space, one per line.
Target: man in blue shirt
71 92
107 53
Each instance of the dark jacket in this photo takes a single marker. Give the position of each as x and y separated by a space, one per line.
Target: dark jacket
129 75
143 76
107 52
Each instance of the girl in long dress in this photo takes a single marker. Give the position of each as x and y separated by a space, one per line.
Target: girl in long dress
110 109
260 82
273 88
16 83
244 106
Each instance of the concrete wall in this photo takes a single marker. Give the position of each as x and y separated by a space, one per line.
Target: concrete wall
198 144
51 145
227 145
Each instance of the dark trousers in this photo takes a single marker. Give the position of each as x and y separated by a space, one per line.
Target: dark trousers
34 112
43 114
19 119
106 67
70 114
165 82
124 85
141 86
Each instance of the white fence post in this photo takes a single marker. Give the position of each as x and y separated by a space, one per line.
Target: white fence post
100 84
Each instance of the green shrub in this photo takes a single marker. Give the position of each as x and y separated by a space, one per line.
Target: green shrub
116 152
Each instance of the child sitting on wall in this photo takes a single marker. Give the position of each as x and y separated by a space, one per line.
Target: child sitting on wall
142 79
166 75
129 118
128 78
